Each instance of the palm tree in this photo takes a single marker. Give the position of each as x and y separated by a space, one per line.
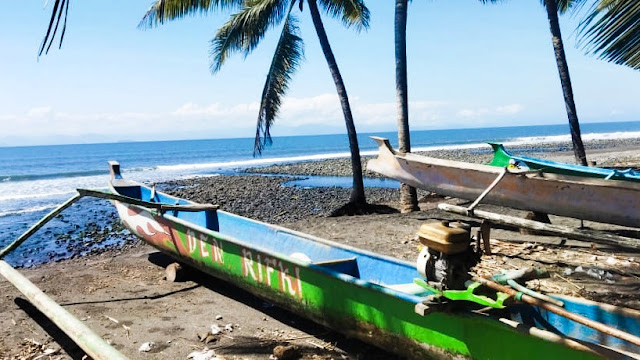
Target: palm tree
408 194
554 7
612 30
60 10
243 32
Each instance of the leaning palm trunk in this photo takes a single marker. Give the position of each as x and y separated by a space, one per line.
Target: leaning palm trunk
408 194
565 80
357 193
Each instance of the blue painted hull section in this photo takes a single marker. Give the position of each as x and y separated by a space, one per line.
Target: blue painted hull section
372 270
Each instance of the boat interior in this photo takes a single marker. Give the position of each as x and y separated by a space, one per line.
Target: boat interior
368 269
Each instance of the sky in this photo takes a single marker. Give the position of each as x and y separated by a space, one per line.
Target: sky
469 65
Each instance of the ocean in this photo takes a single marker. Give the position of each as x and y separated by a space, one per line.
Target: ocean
35 179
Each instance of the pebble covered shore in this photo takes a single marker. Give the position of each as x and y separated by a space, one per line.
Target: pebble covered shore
342 167
269 199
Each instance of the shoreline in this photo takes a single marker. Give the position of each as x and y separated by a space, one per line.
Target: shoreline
249 194
126 282
617 152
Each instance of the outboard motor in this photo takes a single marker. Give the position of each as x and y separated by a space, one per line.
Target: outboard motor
447 256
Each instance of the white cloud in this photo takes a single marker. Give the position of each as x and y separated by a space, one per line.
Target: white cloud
502 110
315 114
39 112
215 110
509 109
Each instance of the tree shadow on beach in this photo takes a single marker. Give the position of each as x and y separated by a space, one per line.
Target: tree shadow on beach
340 344
351 209
65 342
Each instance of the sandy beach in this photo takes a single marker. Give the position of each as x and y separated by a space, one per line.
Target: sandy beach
122 295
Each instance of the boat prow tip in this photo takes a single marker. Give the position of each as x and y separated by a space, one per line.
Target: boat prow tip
114 170
383 144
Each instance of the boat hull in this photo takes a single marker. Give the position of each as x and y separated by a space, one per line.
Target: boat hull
354 292
501 158
607 201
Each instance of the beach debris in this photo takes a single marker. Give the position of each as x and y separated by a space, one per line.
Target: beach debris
47 352
126 331
286 352
146 347
218 317
207 338
205 354
316 345
173 272
214 333
112 319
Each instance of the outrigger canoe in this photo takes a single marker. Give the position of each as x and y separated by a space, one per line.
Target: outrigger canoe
502 158
607 201
359 293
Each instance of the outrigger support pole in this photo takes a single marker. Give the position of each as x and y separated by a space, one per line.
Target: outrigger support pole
39 224
87 340
562 312
593 236
101 195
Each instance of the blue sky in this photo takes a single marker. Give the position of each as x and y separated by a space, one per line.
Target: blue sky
470 65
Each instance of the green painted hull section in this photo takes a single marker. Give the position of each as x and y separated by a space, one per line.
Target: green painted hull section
501 158
357 308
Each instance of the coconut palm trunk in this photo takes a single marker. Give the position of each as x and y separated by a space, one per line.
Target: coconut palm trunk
357 193
408 194
565 80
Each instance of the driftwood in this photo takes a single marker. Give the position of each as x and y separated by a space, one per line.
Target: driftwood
597 237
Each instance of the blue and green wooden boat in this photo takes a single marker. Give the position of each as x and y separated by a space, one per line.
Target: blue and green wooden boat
362 294
502 158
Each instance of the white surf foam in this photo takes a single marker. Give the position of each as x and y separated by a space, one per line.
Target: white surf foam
28 210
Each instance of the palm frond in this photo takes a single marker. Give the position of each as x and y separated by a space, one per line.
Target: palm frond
612 30
562 6
351 12
60 10
245 29
285 62
165 10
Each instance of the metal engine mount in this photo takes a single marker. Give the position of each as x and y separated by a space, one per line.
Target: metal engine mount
447 255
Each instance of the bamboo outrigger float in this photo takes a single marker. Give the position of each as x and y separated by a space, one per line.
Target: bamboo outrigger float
369 296
608 201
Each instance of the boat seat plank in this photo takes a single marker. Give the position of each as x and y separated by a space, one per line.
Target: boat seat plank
347 266
410 288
